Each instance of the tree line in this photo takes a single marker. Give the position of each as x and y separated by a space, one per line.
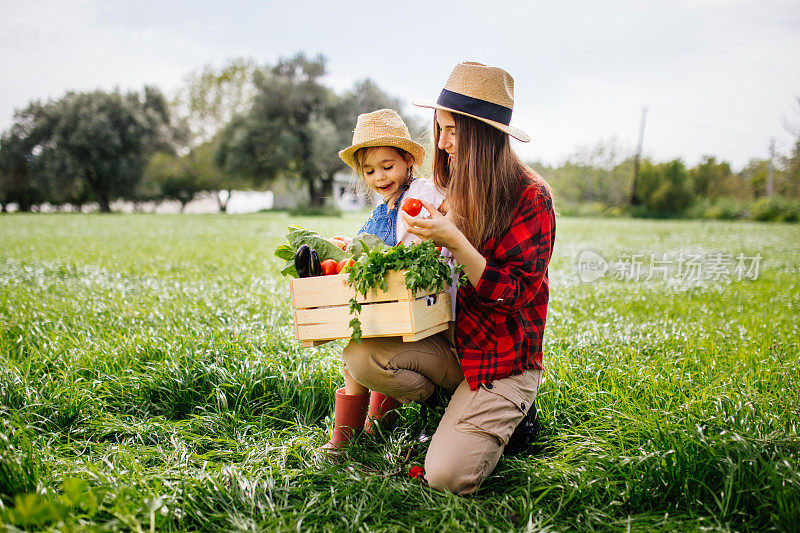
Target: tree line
245 125
239 126
599 179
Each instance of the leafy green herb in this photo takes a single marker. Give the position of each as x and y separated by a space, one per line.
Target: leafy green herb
285 252
426 269
355 325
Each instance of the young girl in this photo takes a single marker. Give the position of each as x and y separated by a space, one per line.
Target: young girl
383 156
501 227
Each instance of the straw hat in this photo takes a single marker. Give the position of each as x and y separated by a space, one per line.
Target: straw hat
481 92
382 128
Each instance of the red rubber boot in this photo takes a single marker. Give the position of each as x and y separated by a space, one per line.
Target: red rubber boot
350 410
381 411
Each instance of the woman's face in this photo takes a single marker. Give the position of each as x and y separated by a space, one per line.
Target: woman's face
384 170
447 135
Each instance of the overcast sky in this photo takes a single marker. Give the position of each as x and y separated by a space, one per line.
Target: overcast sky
719 77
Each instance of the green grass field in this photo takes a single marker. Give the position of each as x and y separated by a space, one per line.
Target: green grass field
150 380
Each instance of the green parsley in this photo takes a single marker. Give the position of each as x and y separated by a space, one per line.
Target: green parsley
426 269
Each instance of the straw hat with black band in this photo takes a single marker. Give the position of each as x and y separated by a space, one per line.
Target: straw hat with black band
383 127
481 92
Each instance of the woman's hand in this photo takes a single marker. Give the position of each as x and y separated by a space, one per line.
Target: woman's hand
437 227
441 229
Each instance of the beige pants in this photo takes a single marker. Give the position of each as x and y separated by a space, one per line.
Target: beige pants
476 424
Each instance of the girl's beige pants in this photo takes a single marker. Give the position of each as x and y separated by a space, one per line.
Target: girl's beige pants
477 423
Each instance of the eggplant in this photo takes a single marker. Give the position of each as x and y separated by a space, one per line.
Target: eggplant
302 260
314 266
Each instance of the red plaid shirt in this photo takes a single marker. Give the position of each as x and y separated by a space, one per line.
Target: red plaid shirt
500 323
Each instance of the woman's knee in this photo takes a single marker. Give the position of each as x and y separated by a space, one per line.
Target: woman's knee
459 462
453 475
460 459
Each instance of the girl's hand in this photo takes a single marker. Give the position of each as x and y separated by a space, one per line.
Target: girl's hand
437 227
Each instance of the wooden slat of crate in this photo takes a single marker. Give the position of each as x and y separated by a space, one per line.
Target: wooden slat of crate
334 322
334 290
429 319
424 316
413 320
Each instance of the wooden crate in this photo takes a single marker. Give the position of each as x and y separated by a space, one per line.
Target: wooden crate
321 308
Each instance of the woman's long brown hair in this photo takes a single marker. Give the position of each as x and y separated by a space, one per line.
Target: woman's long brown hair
485 185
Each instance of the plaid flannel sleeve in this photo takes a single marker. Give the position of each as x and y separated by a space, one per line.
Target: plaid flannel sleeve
525 252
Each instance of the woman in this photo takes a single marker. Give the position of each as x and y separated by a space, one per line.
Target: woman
501 226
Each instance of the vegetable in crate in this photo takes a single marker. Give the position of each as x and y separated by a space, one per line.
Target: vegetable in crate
340 242
344 266
330 267
363 243
314 266
297 237
426 269
302 261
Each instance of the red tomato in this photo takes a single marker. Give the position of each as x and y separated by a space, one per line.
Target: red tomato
412 206
344 265
329 267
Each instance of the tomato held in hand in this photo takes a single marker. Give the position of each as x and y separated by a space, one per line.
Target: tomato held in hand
345 265
329 267
412 206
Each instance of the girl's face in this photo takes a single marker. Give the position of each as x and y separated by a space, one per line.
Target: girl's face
447 136
385 171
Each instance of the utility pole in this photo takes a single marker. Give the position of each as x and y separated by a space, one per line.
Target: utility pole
638 156
771 167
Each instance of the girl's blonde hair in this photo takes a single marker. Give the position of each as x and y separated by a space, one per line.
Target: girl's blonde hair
358 185
485 186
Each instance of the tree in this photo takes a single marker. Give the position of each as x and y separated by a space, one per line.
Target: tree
755 175
664 189
594 173
210 100
166 177
283 134
791 171
790 164
212 97
296 127
18 183
182 177
94 142
364 97
709 178
788 177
